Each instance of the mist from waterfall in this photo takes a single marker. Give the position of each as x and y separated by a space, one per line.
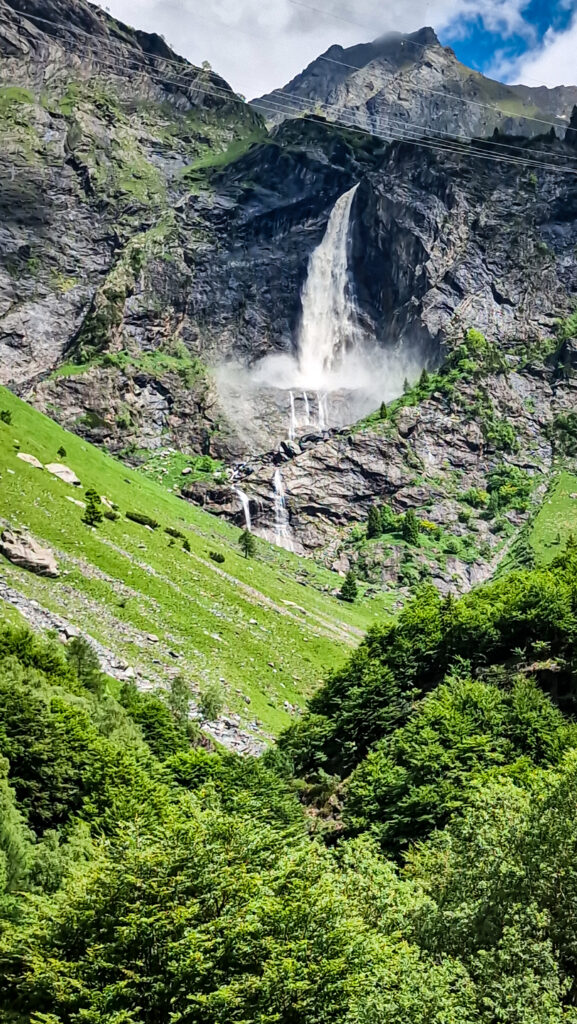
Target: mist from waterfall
338 372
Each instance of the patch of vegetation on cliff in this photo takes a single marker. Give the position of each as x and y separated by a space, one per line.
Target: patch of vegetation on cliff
175 469
406 550
556 520
20 138
471 359
101 329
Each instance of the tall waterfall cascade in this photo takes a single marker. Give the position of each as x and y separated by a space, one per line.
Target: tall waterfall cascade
328 326
337 373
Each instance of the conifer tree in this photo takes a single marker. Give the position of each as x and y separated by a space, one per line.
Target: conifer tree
383 411
93 512
410 527
179 700
374 527
247 544
86 663
349 590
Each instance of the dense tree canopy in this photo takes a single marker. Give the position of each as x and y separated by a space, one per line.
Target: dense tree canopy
146 879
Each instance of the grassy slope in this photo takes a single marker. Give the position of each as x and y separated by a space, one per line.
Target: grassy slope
556 519
121 582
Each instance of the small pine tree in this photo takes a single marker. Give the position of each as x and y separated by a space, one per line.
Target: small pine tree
410 528
179 700
247 544
374 528
186 544
424 379
349 590
93 512
6 416
61 453
406 386
383 411
389 520
211 703
85 662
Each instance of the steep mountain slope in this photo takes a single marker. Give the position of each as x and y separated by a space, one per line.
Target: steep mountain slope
402 82
98 124
265 628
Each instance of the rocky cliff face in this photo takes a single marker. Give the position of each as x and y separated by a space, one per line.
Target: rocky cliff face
470 451
405 84
99 124
153 231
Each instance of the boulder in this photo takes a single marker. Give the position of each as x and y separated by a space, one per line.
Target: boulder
407 420
30 459
25 552
64 473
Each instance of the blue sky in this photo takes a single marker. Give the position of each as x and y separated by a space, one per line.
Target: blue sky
259 45
486 50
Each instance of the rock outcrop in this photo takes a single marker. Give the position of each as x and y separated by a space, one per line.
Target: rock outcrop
23 551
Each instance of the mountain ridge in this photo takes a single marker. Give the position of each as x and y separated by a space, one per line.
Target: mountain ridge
376 81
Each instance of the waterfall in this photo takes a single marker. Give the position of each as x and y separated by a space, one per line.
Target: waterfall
323 410
328 326
293 420
245 507
282 530
307 408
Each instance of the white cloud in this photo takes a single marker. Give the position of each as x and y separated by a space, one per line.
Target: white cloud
258 45
552 63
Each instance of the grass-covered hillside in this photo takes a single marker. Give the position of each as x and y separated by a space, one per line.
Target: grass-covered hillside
266 628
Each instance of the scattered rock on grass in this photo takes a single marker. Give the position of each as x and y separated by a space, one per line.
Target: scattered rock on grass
68 476
30 459
25 552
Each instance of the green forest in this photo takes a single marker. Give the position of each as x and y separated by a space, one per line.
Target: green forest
405 854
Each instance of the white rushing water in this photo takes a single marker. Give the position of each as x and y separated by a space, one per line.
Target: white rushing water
293 420
245 507
328 328
282 529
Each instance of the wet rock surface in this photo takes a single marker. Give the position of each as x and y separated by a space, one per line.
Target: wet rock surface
426 457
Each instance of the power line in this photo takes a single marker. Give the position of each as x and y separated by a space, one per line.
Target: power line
456 147
557 122
408 132
402 123
183 63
